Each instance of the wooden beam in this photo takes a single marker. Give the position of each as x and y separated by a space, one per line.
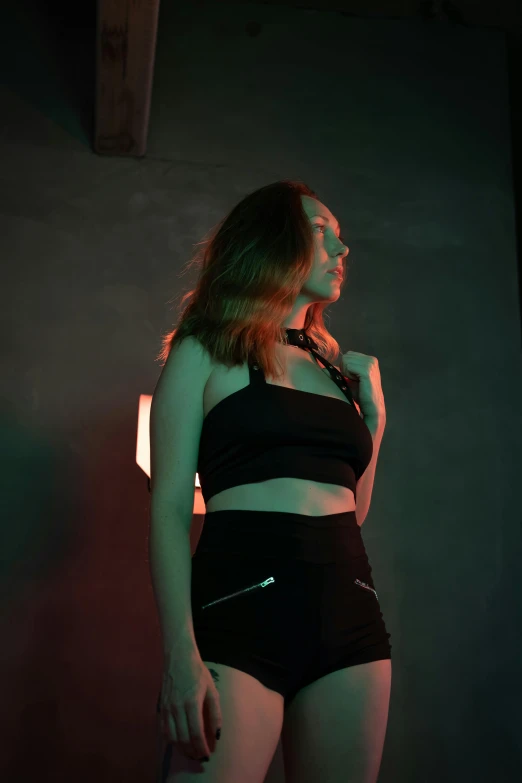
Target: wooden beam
125 51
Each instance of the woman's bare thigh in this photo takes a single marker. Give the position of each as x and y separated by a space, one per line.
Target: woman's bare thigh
252 720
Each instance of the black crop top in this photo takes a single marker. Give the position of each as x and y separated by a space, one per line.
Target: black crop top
265 431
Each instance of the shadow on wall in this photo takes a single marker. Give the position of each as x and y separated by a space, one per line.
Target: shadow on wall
38 532
81 651
38 506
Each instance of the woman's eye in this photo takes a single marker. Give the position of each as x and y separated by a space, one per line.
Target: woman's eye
318 225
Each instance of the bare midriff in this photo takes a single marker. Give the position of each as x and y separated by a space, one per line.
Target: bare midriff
292 495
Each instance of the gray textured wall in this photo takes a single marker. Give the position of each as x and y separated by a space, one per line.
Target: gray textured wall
402 128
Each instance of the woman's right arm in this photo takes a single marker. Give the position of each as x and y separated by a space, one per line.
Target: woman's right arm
176 420
171 571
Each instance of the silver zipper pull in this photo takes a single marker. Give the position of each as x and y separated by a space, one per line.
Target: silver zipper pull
267 581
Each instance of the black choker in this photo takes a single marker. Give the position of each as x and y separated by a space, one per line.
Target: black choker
300 338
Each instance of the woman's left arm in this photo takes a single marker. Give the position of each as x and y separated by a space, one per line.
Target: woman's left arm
364 486
364 379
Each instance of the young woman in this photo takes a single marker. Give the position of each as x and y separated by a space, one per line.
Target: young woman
273 629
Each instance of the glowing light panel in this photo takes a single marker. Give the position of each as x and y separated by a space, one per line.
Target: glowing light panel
143 449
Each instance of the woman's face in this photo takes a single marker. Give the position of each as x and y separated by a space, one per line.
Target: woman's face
329 253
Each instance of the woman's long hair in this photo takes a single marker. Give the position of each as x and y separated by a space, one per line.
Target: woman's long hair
251 271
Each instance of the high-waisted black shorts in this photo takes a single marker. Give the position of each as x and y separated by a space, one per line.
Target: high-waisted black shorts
287 598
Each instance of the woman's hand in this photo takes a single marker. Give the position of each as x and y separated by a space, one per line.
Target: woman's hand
364 380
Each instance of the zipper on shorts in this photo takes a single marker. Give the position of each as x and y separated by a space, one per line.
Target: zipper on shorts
266 582
367 587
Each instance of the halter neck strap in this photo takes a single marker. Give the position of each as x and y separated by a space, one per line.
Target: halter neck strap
301 339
